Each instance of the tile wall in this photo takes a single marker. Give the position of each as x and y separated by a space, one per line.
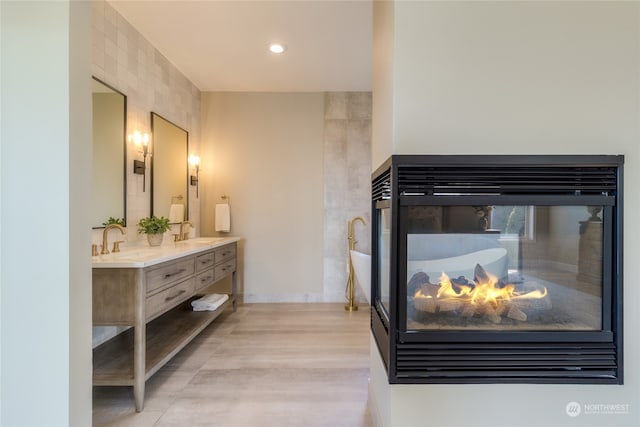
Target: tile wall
125 60
347 184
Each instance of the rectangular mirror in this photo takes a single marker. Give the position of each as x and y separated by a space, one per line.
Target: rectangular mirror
169 170
109 154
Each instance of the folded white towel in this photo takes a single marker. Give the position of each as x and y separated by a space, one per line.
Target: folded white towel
223 217
212 305
209 302
209 299
176 213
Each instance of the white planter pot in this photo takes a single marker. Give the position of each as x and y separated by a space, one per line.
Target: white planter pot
155 239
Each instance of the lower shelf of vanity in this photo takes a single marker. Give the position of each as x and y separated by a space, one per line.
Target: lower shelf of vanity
165 337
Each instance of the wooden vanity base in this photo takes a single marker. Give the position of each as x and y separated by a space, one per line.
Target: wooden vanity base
155 302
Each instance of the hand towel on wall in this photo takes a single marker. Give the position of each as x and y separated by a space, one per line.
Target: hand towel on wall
176 213
223 217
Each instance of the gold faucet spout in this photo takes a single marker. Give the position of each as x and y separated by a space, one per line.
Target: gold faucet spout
181 236
350 291
350 232
105 235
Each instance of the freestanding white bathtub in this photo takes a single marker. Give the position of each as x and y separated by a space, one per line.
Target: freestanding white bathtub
493 260
362 270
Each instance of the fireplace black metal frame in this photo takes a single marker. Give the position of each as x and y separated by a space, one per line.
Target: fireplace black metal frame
462 356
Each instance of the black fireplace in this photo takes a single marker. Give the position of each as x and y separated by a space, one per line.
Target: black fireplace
498 269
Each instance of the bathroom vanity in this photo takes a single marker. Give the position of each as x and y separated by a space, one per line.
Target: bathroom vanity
149 290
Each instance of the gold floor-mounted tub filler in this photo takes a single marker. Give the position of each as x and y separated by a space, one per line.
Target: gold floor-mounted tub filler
351 289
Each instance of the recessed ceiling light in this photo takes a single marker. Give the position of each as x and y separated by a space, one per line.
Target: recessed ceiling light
277 48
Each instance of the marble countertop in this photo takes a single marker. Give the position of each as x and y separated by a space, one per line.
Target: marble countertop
145 256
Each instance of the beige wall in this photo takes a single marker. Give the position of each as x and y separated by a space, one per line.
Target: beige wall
296 168
264 151
519 78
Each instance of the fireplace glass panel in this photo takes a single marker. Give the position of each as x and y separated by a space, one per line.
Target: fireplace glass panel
384 259
517 268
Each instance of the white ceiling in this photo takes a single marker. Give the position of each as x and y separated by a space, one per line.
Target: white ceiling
223 45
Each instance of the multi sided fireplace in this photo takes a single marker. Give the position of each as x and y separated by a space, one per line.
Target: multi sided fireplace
498 269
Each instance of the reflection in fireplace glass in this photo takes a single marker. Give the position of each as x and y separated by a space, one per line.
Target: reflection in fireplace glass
504 268
384 258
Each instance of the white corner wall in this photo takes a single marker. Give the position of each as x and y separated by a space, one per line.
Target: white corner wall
46 126
515 77
519 78
383 66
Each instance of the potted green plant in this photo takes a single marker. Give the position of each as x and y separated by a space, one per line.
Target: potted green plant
154 228
112 220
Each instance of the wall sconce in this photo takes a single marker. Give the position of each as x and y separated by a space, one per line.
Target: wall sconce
141 141
194 161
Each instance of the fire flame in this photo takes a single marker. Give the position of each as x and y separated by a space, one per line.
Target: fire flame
486 296
484 292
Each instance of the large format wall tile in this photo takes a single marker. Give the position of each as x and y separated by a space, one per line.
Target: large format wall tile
347 183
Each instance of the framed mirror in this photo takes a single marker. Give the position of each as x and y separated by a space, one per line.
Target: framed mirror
169 170
108 198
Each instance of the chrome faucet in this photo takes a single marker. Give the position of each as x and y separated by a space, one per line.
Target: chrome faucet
182 234
105 233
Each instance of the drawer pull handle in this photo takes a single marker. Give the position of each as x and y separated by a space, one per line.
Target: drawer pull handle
182 270
204 279
167 299
205 261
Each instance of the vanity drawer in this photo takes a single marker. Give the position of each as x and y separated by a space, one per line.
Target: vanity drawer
167 274
225 252
225 269
204 261
162 301
205 279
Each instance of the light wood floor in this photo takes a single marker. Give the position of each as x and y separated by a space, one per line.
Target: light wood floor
264 365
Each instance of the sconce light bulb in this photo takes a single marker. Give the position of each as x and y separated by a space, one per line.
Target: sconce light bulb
194 160
138 138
